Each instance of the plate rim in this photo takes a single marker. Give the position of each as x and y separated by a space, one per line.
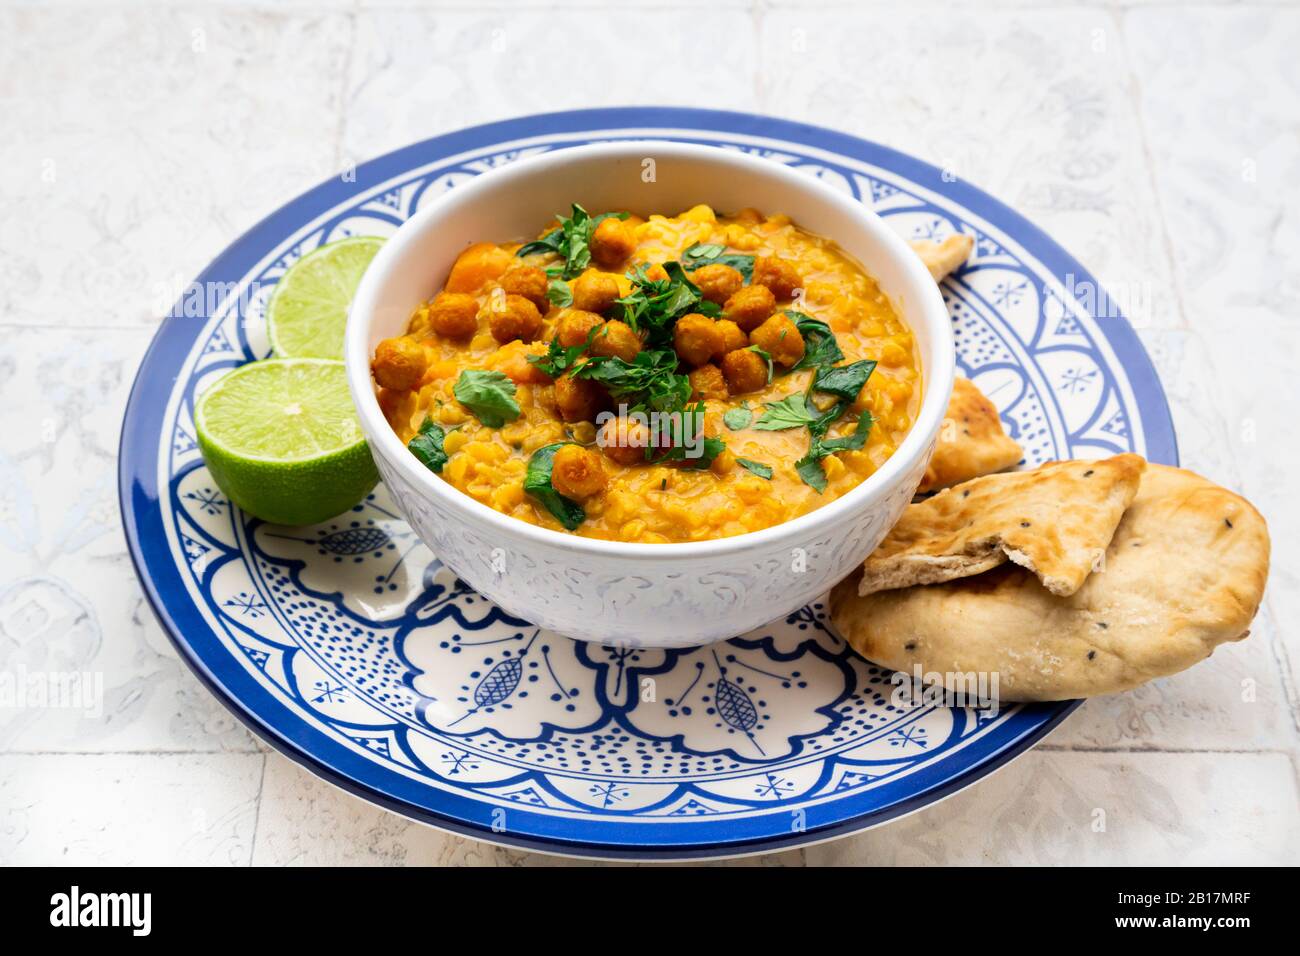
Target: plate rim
137 487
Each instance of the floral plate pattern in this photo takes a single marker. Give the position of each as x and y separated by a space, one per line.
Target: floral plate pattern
352 649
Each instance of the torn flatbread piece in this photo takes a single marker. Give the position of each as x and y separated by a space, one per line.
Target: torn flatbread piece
1185 572
941 258
971 441
1055 521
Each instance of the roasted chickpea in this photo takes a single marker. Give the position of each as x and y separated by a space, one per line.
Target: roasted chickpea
578 399
399 364
616 339
612 242
577 472
750 306
530 282
512 360
745 371
732 338
779 275
594 292
575 325
718 282
779 338
514 318
656 272
697 338
707 383
624 441
454 315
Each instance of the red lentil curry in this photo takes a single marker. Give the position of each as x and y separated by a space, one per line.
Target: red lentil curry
667 379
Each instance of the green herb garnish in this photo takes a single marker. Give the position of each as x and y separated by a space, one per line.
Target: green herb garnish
796 410
669 438
809 467
571 241
790 412
489 395
650 382
845 381
756 467
654 305
819 345
854 441
711 253
738 418
426 445
537 482
559 293
810 470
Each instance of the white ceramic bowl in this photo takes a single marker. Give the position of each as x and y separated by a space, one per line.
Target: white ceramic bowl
662 595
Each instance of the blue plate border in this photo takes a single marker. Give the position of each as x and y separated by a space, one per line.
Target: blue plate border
678 839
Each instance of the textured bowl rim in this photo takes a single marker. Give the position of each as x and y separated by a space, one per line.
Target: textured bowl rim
929 310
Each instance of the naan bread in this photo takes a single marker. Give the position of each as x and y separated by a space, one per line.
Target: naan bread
941 258
1055 521
1185 572
971 442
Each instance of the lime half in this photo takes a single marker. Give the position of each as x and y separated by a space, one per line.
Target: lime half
309 308
282 440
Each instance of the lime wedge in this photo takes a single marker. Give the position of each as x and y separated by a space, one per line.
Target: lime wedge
309 308
282 440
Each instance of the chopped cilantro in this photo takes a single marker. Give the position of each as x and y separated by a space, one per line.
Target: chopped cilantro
559 293
489 395
650 382
571 241
654 305
809 469
790 412
756 467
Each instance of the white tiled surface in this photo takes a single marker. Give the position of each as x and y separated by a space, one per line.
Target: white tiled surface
140 139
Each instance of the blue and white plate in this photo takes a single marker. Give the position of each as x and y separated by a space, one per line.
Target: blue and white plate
350 648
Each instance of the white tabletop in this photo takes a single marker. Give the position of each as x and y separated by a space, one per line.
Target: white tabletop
139 141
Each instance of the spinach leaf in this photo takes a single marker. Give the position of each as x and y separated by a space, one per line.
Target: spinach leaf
809 468
710 253
854 441
426 445
489 395
537 482
819 345
845 381
551 242
756 467
738 418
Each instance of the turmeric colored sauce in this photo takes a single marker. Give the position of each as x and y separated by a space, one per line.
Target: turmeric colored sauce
647 501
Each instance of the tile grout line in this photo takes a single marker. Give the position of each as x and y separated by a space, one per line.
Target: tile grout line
257 810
